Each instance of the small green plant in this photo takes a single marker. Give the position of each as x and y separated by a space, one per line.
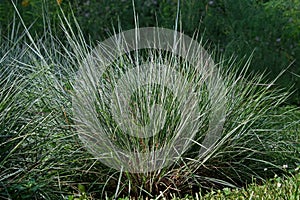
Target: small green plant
275 188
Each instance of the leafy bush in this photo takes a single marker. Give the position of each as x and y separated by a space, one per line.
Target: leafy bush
269 28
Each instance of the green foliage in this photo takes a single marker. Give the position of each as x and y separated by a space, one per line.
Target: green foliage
41 156
269 28
276 188
286 187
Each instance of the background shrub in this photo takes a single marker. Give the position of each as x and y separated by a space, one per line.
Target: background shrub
270 28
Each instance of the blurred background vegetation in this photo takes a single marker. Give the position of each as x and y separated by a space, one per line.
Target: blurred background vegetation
270 29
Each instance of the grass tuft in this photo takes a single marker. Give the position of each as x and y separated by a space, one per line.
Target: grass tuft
49 150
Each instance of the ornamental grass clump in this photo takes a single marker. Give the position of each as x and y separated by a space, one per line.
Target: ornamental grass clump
146 112
156 108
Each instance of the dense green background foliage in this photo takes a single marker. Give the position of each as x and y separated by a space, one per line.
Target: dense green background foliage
269 28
